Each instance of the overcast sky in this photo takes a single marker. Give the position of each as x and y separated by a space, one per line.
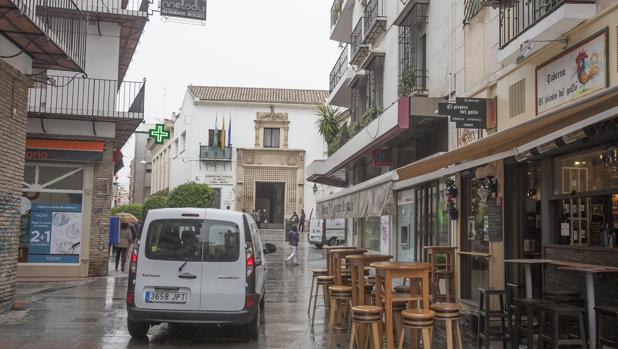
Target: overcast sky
253 43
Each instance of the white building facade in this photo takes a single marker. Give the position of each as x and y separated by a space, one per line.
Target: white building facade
269 138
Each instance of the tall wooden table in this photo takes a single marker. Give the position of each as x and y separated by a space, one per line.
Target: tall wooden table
589 271
385 273
328 249
358 264
336 257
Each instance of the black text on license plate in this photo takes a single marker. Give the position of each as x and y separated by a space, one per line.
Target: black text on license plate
166 297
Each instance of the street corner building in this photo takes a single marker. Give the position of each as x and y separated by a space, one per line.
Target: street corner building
251 145
64 115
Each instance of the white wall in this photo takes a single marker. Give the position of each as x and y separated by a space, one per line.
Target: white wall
22 62
197 119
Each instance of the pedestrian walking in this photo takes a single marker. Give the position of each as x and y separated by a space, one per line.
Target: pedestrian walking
125 236
302 221
294 219
293 241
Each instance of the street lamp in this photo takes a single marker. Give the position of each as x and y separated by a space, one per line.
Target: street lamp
315 188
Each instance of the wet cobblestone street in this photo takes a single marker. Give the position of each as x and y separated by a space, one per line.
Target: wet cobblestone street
93 315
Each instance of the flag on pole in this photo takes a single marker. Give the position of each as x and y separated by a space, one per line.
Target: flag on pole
229 133
215 138
223 132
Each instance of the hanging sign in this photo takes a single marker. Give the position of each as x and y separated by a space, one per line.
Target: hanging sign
159 134
188 9
576 72
381 157
469 112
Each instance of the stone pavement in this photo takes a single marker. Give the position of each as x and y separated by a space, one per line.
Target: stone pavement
92 314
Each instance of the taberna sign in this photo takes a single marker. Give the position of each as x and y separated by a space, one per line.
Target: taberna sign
469 112
188 9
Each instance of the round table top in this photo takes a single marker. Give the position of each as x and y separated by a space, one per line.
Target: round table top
370 257
327 248
401 265
348 251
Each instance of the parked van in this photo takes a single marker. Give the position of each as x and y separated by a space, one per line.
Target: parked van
198 266
329 232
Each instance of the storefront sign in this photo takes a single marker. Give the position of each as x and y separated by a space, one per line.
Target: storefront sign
55 233
371 202
381 157
63 155
493 225
189 9
219 179
578 71
158 133
469 112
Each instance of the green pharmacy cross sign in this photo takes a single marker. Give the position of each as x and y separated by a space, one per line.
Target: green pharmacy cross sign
158 133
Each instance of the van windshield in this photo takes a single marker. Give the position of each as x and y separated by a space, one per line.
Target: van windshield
193 240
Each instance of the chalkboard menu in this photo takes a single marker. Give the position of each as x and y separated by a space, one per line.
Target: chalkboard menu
494 214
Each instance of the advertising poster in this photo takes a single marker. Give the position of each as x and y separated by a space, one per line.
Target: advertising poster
385 234
55 233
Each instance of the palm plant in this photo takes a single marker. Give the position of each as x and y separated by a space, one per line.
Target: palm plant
329 122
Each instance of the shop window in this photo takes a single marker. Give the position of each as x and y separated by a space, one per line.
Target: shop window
586 171
51 231
370 233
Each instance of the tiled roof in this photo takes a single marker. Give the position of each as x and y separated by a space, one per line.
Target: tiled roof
258 95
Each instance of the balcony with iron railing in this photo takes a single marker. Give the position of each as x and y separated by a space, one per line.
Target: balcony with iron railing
84 98
210 153
538 21
341 17
413 52
375 20
137 8
340 67
52 32
358 49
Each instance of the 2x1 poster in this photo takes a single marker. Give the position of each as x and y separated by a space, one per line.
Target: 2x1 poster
55 233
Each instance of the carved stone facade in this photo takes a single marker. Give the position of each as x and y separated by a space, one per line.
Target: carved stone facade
277 165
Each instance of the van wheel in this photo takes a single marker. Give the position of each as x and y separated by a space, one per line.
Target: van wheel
252 329
137 329
332 241
319 246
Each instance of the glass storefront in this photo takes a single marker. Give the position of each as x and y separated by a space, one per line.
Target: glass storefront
51 230
369 229
422 220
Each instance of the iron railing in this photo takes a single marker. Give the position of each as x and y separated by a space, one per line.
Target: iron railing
335 11
413 51
356 40
357 105
374 9
62 22
215 153
471 8
123 7
84 97
517 16
340 67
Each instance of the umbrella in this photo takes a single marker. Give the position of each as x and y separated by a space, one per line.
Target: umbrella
127 217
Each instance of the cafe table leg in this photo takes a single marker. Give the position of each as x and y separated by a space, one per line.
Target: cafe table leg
590 303
528 271
388 300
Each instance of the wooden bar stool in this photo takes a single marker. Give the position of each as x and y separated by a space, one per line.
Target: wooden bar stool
553 333
442 260
417 320
398 307
449 313
325 282
366 315
607 326
340 298
485 335
528 308
316 273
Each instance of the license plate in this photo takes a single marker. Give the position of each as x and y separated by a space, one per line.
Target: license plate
166 297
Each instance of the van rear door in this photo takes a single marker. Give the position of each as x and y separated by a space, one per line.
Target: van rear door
169 267
224 269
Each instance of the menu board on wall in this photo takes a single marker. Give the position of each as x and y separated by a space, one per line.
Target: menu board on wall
55 233
494 217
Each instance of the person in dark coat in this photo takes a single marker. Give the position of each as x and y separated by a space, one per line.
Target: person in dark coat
293 238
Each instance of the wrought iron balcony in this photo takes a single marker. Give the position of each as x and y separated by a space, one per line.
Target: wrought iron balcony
210 153
375 20
52 32
118 7
358 49
73 97
335 11
340 67
413 51
517 16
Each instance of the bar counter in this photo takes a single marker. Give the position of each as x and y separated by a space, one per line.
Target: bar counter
606 284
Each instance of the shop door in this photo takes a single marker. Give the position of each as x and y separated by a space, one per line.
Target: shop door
426 214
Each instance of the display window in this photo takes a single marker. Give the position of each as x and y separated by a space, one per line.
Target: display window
51 228
370 233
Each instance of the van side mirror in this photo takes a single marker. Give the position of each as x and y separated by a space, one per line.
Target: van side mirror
269 248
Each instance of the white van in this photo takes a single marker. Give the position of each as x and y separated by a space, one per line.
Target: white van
198 266
329 232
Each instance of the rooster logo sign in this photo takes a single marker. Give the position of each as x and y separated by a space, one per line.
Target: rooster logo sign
586 69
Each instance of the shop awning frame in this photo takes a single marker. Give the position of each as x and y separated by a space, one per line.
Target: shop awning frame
515 140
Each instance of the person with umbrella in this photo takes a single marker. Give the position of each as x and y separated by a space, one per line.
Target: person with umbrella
126 235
